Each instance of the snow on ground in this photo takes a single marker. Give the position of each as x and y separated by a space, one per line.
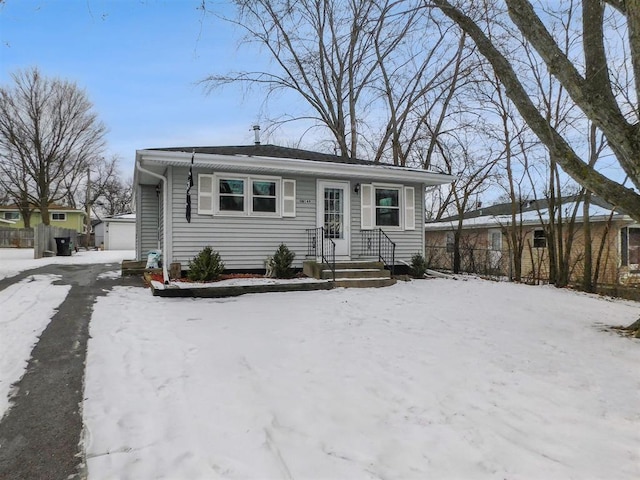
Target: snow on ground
27 307
236 282
16 260
25 311
428 379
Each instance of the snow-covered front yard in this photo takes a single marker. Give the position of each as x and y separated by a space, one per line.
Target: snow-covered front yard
443 379
428 379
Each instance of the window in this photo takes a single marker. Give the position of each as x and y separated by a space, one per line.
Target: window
333 213
231 195
539 239
246 196
450 242
264 196
387 207
630 247
11 215
58 217
495 241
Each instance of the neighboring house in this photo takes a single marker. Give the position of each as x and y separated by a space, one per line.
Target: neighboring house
247 200
117 232
59 216
484 247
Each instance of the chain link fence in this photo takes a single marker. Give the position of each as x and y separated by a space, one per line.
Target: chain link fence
480 261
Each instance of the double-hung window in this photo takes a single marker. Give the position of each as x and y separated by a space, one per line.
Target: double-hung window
239 195
231 195
264 198
539 239
387 207
390 207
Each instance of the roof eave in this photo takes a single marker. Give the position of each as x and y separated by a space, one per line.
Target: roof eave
276 165
496 223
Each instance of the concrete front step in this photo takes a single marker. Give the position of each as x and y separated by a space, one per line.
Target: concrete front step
364 282
351 274
341 273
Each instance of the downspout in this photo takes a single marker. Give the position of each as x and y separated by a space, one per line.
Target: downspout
165 198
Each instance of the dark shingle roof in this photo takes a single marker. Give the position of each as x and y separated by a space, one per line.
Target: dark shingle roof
268 151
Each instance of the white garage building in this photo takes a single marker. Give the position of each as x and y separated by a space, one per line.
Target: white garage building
117 233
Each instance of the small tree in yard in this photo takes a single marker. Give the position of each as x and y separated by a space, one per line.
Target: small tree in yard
418 265
281 262
205 266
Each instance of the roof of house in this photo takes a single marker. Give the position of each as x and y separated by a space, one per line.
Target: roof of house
275 160
273 151
532 212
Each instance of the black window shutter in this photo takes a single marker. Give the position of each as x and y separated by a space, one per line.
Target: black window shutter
624 246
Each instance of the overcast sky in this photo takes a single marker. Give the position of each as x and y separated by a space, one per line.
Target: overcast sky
140 62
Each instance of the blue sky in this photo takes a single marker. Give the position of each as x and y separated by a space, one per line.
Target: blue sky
139 62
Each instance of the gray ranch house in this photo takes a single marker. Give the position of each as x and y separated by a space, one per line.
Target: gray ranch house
247 200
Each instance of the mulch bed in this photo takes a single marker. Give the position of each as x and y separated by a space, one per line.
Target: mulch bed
225 276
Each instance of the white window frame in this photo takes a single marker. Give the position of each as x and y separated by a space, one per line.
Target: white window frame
375 206
277 197
63 219
406 207
11 216
216 195
247 196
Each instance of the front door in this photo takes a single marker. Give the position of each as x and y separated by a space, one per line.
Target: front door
333 214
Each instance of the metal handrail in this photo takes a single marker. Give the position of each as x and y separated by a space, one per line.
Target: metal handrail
327 248
378 242
386 249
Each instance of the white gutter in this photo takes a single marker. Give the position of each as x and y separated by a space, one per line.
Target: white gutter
297 166
165 193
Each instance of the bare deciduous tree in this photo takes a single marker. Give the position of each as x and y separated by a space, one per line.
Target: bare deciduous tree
364 69
590 88
49 136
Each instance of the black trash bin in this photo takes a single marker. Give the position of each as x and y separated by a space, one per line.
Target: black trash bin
64 246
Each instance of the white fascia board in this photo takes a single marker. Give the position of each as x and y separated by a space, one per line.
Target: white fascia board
120 220
281 166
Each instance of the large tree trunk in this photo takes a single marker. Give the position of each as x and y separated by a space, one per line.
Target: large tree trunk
593 101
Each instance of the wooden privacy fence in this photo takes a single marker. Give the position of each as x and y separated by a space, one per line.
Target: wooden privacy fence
45 239
16 237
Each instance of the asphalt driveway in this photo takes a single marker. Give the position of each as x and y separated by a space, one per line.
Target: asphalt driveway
40 434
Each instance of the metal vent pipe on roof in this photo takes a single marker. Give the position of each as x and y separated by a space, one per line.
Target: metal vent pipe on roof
256 134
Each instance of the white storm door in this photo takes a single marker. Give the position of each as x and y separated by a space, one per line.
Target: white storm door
334 211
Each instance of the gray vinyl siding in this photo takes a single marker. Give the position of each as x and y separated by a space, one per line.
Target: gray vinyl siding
408 242
148 213
244 242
